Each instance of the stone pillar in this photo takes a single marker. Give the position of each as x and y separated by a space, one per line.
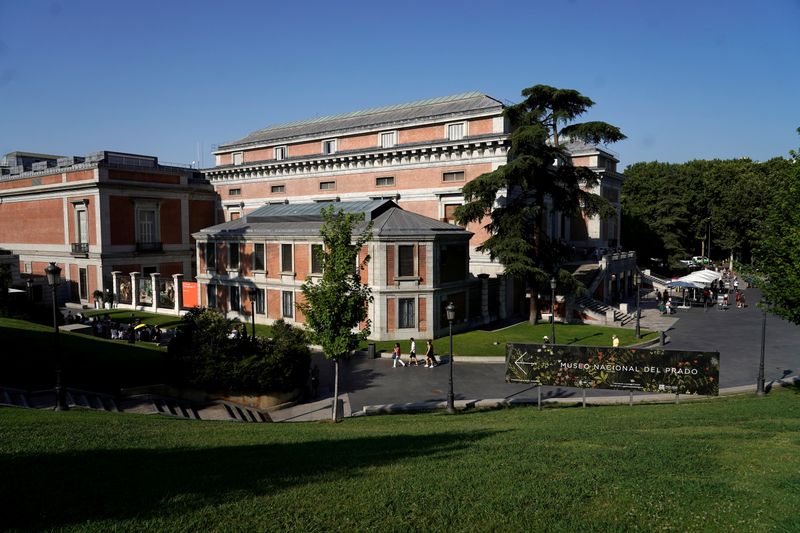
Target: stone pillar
115 285
154 279
177 286
135 289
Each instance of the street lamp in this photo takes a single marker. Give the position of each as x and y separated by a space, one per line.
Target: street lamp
53 272
637 280
760 379
253 293
29 286
451 315
553 284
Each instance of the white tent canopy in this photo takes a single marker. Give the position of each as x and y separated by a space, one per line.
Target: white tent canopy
702 276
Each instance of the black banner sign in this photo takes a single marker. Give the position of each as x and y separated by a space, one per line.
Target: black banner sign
666 371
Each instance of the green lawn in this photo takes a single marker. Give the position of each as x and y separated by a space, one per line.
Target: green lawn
483 342
729 464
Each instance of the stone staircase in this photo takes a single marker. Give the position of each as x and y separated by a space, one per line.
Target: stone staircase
600 311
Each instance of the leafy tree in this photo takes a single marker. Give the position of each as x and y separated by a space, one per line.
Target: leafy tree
539 126
779 250
336 305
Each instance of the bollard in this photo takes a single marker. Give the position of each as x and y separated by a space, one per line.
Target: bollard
584 397
540 397
662 338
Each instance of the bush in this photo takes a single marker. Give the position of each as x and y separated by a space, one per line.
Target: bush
205 355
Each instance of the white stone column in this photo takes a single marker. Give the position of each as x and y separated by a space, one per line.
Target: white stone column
135 289
154 279
115 285
177 286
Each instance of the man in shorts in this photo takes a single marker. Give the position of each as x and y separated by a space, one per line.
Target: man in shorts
412 353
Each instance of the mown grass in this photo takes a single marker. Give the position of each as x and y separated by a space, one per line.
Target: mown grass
484 342
730 464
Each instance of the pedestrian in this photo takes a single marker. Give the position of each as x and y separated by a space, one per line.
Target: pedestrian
725 301
669 306
412 353
614 341
430 358
396 356
314 381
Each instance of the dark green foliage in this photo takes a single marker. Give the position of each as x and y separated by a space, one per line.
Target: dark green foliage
204 355
530 179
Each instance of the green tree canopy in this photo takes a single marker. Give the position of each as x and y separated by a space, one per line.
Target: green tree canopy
539 171
336 305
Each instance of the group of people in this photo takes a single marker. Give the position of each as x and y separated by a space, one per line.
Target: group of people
430 357
111 329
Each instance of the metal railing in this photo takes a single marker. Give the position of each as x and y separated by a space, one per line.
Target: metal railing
80 247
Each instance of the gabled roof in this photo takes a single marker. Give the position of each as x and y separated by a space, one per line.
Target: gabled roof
302 220
393 115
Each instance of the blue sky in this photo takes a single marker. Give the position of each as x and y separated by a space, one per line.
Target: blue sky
684 80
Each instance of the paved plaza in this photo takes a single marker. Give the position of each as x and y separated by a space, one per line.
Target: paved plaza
734 333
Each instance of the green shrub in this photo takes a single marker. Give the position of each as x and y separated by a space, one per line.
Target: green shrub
205 355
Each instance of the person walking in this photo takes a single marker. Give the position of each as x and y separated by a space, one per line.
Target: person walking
430 357
412 353
614 341
396 356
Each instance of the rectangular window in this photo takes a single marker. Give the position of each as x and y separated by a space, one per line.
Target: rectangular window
280 153
316 259
82 226
388 139
288 304
234 192
233 256
235 215
455 131
238 158
211 256
327 185
277 189
260 297
387 181
211 293
286 258
258 256
147 225
453 176
83 283
405 315
449 213
329 146
405 260
234 298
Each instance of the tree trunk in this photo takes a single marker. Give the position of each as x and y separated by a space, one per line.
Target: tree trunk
533 316
335 389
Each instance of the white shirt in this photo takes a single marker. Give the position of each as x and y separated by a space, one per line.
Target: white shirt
414 346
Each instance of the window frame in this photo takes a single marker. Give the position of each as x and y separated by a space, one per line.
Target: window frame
287 312
311 267
237 247
461 123
463 176
240 155
414 270
257 255
282 190
211 252
284 246
404 324
321 183
329 143
394 142
261 301
79 236
282 150
147 206
237 300
392 184
211 295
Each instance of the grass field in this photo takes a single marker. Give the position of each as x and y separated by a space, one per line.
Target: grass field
731 464
484 342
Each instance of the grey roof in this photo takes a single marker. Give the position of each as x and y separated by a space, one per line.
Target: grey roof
577 147
388 115
389 220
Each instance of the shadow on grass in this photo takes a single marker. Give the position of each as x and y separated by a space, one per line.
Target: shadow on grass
578 339
103 484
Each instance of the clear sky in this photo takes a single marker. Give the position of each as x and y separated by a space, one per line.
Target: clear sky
683 79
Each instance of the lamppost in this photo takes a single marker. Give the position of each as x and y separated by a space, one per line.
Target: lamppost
553 284
253 293
637 280
53 272
760 379
451 315
29 286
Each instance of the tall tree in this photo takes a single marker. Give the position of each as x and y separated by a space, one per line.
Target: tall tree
336 305
539 170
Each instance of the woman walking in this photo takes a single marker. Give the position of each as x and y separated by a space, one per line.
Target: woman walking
430 358
396 356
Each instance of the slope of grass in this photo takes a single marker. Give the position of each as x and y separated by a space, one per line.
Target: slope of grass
724 465
484 342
